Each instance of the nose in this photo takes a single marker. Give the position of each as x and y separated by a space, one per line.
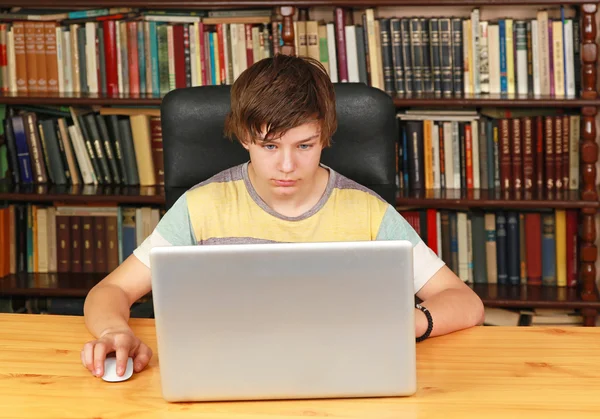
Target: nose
287 162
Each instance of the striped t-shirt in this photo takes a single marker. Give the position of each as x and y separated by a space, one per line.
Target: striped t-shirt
226 209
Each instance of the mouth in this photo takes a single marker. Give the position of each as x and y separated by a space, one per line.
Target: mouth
284 183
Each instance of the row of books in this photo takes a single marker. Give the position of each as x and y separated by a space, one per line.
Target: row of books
493 149
73 146
523 150
539 56
132 51
503 247
449 56
137 53
61 238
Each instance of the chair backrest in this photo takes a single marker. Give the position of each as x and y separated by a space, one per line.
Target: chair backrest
363 147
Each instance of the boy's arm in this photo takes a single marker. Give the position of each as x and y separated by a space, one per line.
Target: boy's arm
452 304
108 304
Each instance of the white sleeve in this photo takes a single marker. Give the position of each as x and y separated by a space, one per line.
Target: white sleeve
425 261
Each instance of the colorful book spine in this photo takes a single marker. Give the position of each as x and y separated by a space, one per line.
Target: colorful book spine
548 250
503 60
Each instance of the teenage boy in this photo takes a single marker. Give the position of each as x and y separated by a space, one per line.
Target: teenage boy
283 112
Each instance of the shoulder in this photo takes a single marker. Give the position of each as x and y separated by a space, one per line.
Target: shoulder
216 188
354 202
351 189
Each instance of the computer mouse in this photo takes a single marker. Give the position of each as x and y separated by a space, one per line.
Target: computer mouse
110 370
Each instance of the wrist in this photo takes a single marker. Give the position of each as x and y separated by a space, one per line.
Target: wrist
115 329
420 323
427 324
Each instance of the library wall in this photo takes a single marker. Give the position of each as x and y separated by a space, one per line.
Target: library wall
487 13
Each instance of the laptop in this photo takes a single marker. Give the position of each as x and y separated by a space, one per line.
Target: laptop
285 321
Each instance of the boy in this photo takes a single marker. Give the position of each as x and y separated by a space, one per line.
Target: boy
283 113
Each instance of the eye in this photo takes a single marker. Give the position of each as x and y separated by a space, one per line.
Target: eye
305 146
269 146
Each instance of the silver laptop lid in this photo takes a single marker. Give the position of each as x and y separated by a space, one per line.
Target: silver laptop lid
271 321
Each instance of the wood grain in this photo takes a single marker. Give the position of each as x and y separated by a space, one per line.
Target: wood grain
287 30
81 194
490 198
500 100
533 296
589 157
401 101
483 372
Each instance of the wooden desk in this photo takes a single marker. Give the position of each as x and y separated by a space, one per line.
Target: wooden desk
483 372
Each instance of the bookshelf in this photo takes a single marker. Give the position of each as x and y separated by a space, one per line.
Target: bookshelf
224 4
450 198
584 200
519 296
68 285
144 99
154 195
454 198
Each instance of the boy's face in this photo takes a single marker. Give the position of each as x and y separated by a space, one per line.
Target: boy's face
288 164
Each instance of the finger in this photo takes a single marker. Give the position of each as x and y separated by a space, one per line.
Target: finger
122 355
88 356
100 351
142 357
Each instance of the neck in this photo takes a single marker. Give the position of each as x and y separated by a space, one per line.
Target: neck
305 198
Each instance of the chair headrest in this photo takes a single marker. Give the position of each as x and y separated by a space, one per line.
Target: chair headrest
363 147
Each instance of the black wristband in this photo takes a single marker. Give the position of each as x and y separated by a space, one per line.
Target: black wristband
429 323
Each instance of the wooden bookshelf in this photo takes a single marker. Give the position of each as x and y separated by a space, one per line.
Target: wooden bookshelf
490 199
472 101
434 198
584 297
144 99
77 285
79 99
49 284
225 4
83 194
522 296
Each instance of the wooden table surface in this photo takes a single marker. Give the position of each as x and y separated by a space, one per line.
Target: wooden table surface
483 372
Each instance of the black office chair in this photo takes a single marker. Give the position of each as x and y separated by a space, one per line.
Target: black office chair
194 147
363 147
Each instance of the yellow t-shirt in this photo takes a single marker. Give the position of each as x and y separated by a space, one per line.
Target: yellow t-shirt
226 209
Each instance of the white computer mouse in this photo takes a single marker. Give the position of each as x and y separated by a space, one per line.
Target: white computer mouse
110 370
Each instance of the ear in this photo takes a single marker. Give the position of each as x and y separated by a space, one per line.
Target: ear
245 140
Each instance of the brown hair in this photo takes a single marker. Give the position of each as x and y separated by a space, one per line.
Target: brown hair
281 93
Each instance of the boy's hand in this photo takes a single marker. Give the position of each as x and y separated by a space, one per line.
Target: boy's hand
124 343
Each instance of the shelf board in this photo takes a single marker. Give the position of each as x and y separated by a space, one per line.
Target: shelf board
433 198
83 194
504 101
143 99
224 4
77 285
80 99
456 198
522 296
49 284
